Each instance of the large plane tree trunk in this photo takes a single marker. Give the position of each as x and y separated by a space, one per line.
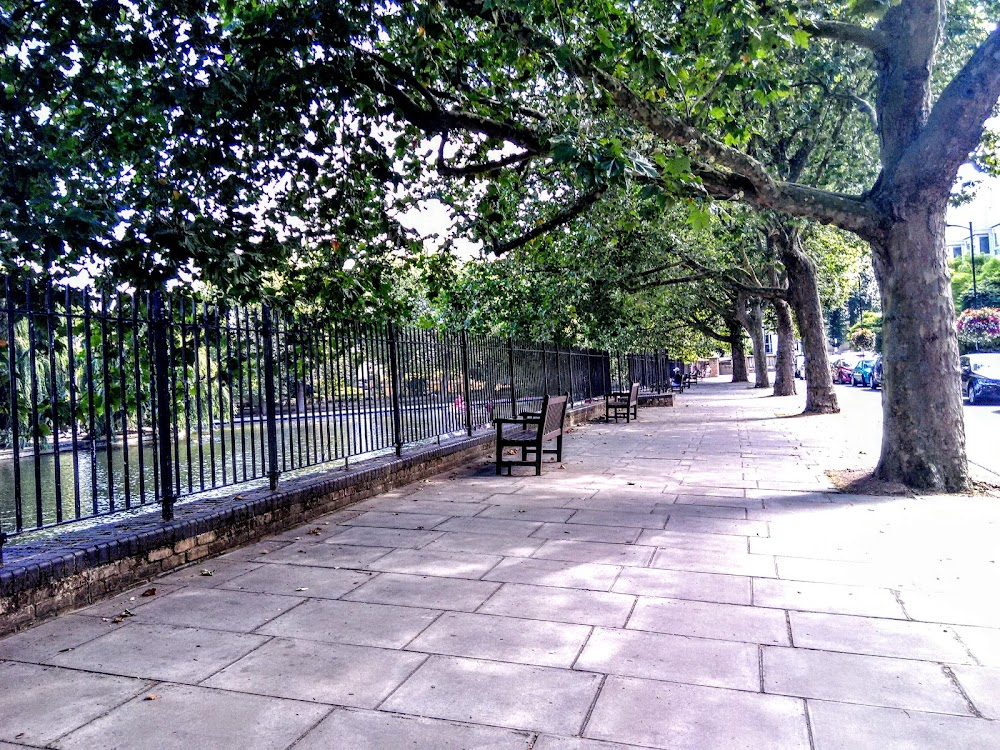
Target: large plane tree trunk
923 433
803 296
750 312
738 348
784 365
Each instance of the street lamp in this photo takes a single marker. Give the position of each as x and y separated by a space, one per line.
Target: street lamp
972 250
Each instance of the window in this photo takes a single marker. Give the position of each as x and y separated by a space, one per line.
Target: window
984 244
956 251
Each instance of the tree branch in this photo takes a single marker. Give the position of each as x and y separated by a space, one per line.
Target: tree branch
487 167
849 33
955 125
707 330
562 217
632 288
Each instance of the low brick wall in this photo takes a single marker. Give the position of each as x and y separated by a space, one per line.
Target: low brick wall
43 577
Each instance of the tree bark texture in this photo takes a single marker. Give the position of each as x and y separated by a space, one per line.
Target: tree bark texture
739 352
784 366
803 296
750 313
923 432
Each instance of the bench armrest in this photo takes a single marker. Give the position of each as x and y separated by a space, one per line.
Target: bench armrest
504 420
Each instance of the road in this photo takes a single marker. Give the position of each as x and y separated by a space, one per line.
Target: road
982 427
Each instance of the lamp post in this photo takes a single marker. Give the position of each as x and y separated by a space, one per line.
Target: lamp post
972 251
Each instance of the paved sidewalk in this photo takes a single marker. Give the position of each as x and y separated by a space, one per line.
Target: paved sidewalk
686 581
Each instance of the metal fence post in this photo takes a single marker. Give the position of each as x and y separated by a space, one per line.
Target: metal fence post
161 355
270 405
397 417
466 386
569 372
513 394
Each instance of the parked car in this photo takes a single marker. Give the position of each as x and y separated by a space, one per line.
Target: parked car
800 366
862 373
843 366
876 379
981 377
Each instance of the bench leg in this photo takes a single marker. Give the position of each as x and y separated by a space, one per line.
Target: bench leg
559 448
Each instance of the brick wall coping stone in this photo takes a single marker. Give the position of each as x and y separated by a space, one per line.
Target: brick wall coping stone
44 576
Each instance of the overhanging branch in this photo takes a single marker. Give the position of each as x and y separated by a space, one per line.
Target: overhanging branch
849 33
562 217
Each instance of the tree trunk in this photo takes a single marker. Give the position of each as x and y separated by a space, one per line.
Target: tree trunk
784 366
739 352
752 318
803 296
923 431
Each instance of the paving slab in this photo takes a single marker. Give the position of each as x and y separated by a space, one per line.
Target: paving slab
588 533
560 605
396 520
332 673
355 623
43 642
183 717
540 699
436 563
454 541
734 563
327 555
595 552
508 639
372 536
827 597
41 704
491 526
709 620
841 726
982 685
674 584
548 742
527 513
592 576
878 637
424 591
373 730
645 520
235 611
868 680
691 717
298 580
983 644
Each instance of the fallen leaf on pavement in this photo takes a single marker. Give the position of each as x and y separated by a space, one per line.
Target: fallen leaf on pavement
149 592
206 572
151 697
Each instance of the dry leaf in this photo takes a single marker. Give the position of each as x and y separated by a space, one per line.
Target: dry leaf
206 572
315 531
149 592
151 697
302 588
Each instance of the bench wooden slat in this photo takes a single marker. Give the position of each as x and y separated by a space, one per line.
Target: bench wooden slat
619 404
535 429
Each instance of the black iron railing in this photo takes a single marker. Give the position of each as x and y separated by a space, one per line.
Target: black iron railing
111 402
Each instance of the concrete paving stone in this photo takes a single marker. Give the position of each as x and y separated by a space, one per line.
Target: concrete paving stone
41 643
984 643
372 536
815 549
39 704
558 573
436 563
693 717
841 726
298 580
595 552
734 563
541 699
730 622
132 600
454 541
677 658
725 526
560 605
507 639
192 575
673 584
849 573
869 680
548 742
357 676
826 597
526 513
718 501
437 507
160 652
551 491
713 543
396 520
327 555
982 685
641 504
521 500
424 591
217 609
585 533
254 552
183 717
491 526
708 511
371 730
617 518
956 608
353 623
878 637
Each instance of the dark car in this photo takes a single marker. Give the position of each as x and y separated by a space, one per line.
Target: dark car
981 377
876 378
843 367
800 366
862 373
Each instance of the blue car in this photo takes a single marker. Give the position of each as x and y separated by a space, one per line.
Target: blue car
862 374
981 377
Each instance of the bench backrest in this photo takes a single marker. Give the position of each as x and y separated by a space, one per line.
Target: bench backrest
553 414
633 394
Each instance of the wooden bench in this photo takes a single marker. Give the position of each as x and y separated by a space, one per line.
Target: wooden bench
535 428
690 379
620 403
